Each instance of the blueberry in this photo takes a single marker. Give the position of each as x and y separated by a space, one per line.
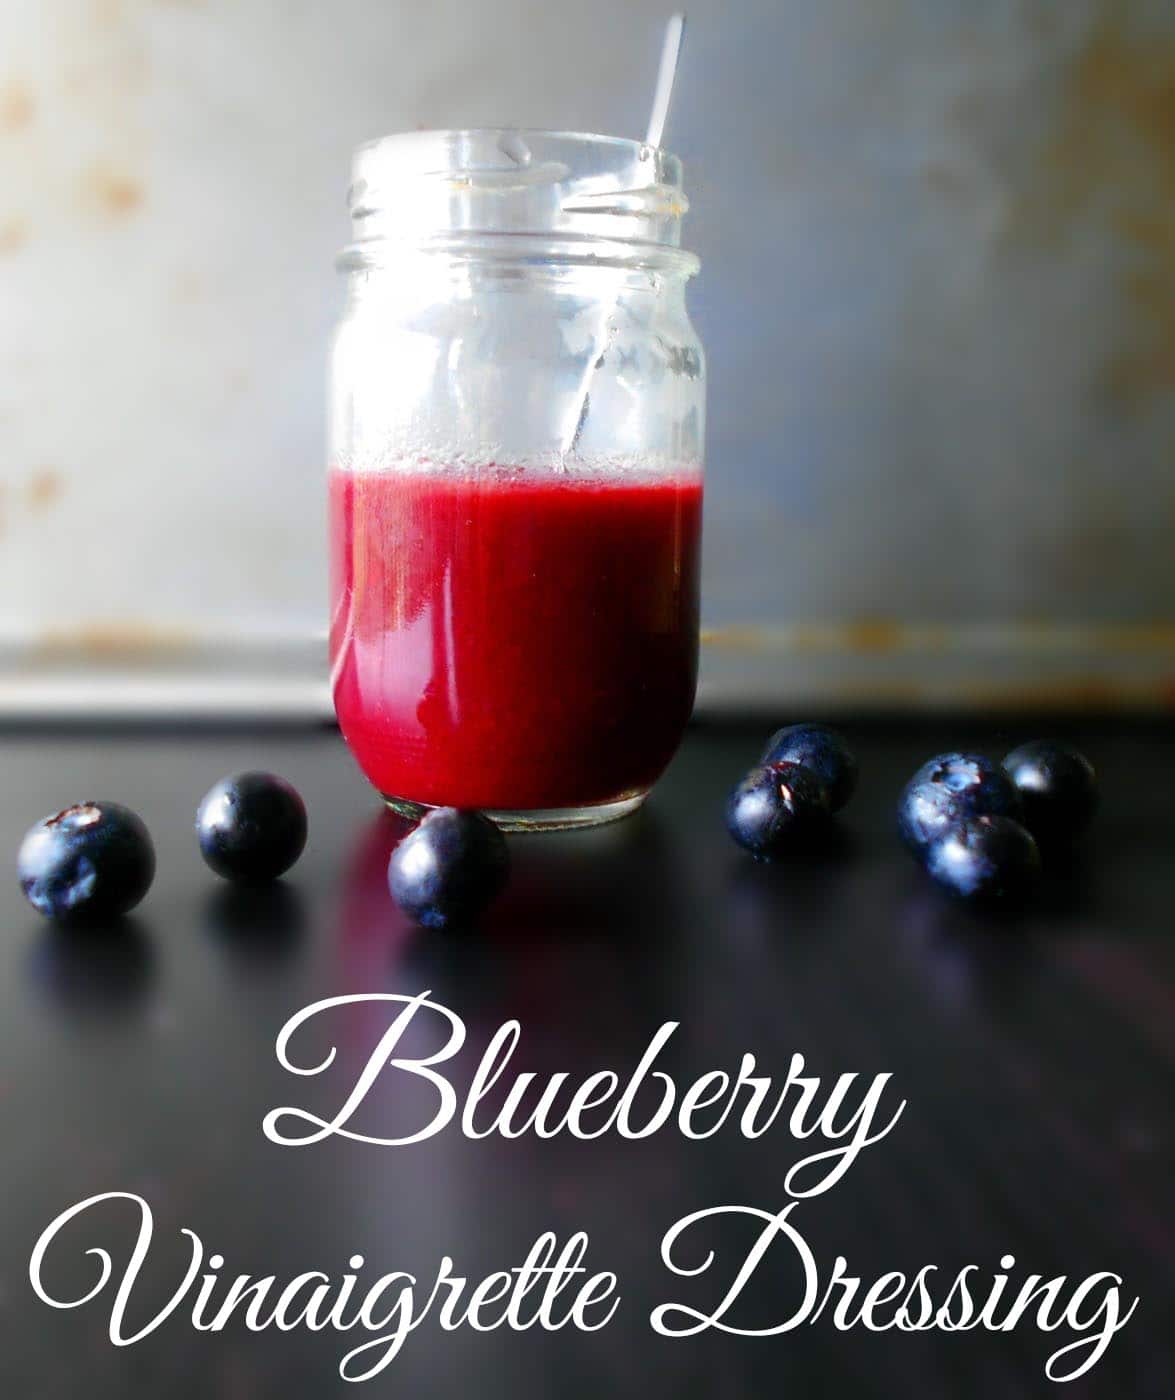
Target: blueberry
92 860
251 826
449 868
951 788
775 806
822 750
1057 786
985 859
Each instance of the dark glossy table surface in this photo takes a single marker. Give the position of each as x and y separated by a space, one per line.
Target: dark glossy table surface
1035 1054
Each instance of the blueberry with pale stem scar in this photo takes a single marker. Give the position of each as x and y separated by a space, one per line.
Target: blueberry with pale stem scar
822 750
93 860
949 789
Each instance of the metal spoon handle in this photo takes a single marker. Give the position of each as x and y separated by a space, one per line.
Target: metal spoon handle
662 97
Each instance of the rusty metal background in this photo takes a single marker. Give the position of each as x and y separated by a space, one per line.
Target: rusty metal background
938 295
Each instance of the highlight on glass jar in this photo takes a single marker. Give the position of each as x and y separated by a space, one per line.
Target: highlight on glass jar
517 418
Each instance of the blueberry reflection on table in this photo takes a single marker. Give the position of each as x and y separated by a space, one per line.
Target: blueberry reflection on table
581 948
971 959
979 958
257 925
94 972
585 925
371 930
1071 885
763 900
602 887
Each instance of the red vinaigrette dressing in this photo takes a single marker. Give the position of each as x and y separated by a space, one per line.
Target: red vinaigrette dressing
508 638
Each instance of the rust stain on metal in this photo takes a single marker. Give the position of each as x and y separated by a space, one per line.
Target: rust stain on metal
17 106
111 641
1111 155
1069 695
883 637
1140 637
43 488
115 193
1035 665
1084 693
736 638
14 234
873 635
863 637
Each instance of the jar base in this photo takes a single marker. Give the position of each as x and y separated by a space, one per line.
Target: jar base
538 819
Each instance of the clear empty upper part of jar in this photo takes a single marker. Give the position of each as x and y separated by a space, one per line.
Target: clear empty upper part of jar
517 297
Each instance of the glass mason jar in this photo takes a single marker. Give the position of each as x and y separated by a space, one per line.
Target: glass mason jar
517 411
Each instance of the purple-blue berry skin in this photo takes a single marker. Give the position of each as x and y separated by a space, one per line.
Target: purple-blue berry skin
1057 787
94 860
774 807
949 789
446 871
251 827
820 749
985 860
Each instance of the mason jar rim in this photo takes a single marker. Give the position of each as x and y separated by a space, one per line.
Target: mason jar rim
420 134
437 187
